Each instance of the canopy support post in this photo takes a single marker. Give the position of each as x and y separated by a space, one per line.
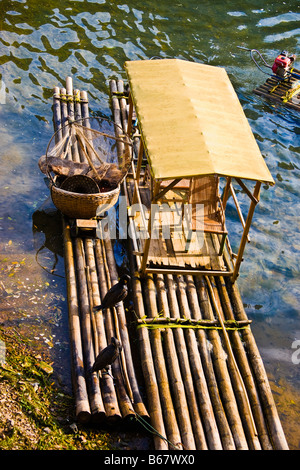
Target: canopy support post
138 171
130 113
226 192
253 204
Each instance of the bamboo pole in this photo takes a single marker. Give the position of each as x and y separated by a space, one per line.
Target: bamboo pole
123 399
64 118
69 97
124 116
245 368
91 303
222 374
117 117
95 397
192 370
147 363
108 392
121 323
146 357
71 116
86 123
82 407
78 109
77 104
85 108
57 114
267 400
236 377
176 381
181 307
170 421
253 203
206 358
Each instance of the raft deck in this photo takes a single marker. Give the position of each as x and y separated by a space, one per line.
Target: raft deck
195 397
287 92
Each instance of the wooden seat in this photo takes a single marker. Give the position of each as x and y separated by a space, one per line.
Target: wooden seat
205 190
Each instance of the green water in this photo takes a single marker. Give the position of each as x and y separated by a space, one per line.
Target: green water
40 45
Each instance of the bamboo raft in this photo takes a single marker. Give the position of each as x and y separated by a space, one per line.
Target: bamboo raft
206 388
90 271
286 92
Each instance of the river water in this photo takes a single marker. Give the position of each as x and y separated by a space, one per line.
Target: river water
41 43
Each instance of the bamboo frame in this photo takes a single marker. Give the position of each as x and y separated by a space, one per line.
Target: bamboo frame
254 198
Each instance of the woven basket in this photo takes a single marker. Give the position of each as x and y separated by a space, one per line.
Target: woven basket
81 184
83 206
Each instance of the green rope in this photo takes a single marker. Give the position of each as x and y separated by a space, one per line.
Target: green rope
120 94
153 326
70 98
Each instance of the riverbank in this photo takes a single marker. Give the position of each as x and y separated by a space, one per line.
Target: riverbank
35 414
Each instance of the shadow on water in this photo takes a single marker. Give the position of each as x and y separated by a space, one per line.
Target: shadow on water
48 222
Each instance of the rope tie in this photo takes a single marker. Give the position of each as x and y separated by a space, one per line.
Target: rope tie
166 322
69 98
290 93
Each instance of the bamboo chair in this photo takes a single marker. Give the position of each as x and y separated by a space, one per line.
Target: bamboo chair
205 190
180 190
